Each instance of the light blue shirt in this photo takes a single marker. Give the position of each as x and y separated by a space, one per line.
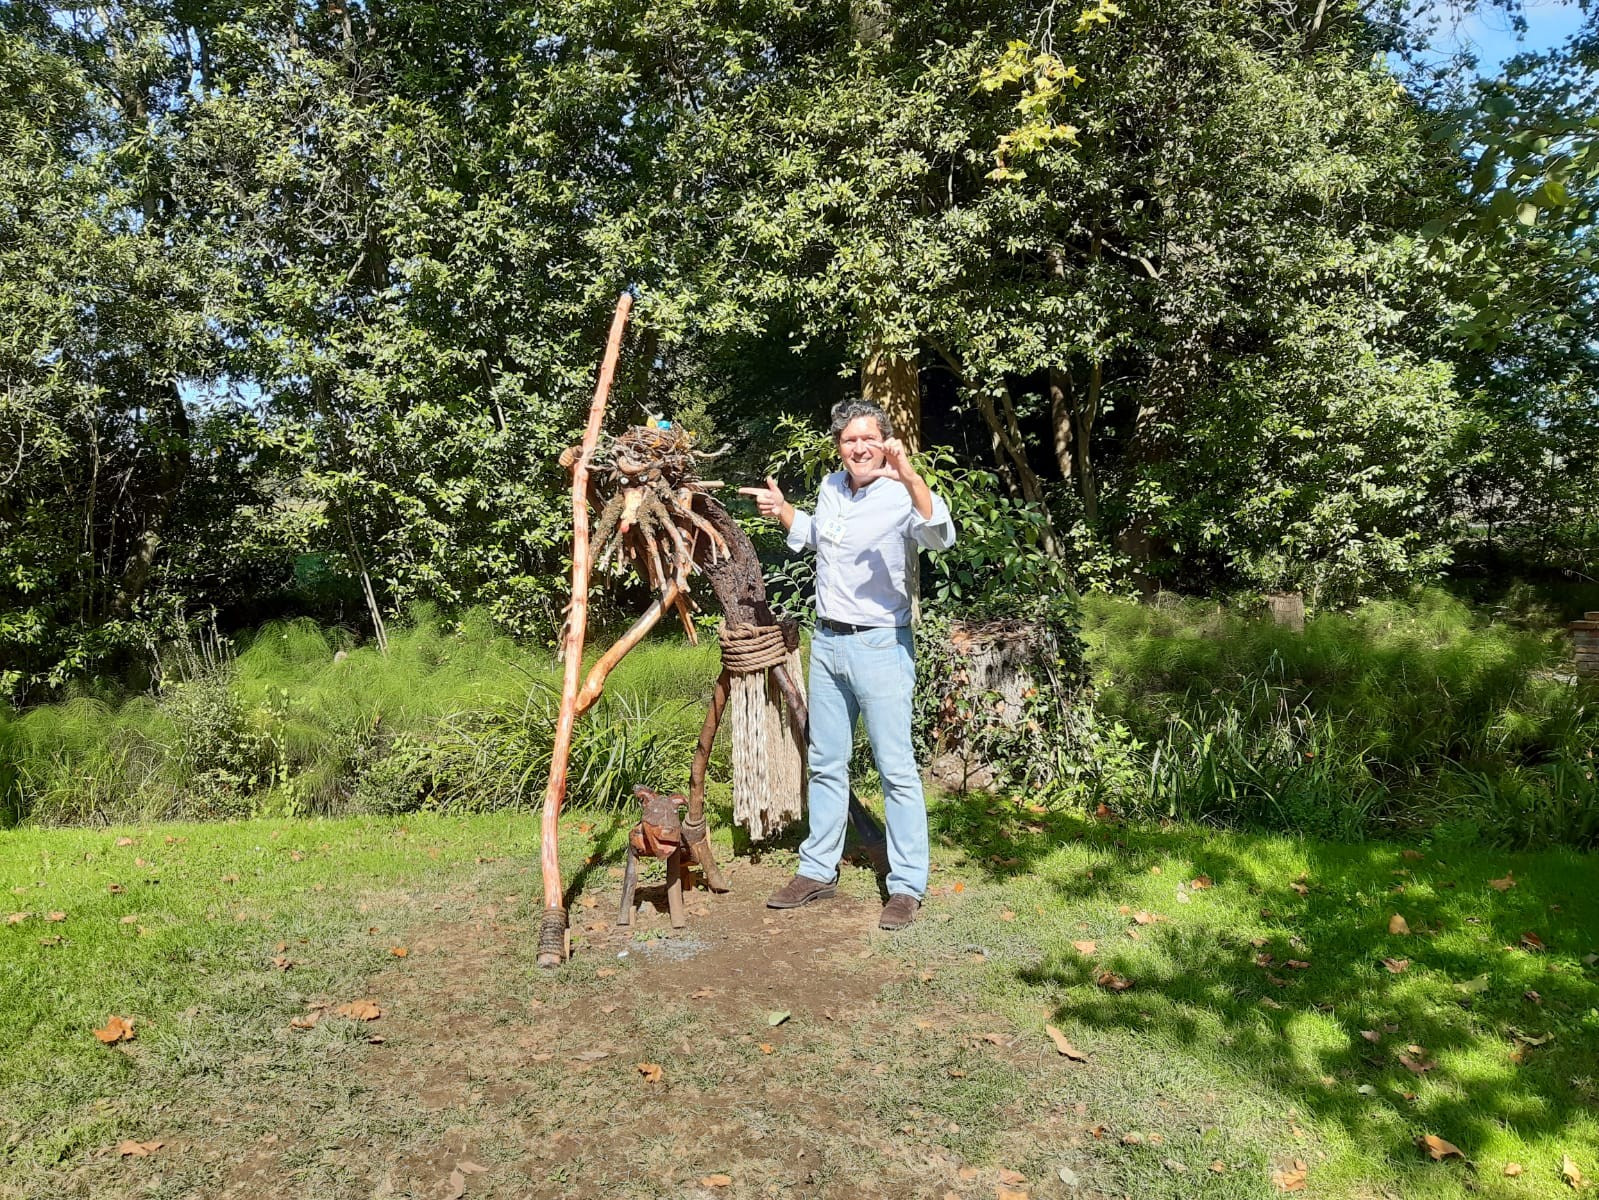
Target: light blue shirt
863 540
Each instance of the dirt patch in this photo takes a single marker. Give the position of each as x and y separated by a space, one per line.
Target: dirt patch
753 1054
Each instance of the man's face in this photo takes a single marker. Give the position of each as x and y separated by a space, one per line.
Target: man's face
860 445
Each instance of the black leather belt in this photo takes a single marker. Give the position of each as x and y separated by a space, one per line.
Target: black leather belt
844 626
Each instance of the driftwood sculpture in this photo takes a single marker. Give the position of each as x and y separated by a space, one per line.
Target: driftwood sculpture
658 516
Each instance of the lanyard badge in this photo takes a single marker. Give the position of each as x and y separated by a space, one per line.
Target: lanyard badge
833 530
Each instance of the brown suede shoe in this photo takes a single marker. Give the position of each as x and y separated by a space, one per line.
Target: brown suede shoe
899 912
800 890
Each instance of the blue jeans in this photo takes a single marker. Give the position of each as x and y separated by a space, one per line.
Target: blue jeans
870 674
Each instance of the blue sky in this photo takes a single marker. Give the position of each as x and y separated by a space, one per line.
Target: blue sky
1549 23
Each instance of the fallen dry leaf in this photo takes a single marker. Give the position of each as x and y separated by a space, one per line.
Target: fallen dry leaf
1397 924
1503 885
130 919
1132 1139
124 841
1513 1169
958 887
55 916
117 1029
16 918
716 1181
1086 946
1572 1176
1303 890
1011 1178
605 972
1064 1046
1218 1166
1531 941
1416 1063
966 1174
116 889
283 962
1112 981
467 1167
398 951
1291 1180
1437 1149
1147 918
650 1071
1396 965
1297 964
1412 855
1007 915
307 1021
457 1187
359 1010
1200 883
1371 1035
1001 1192
765 1047
133 1149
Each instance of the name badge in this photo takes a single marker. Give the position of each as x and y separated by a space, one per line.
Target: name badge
833 530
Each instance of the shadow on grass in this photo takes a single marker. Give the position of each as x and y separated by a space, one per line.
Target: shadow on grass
1497 1036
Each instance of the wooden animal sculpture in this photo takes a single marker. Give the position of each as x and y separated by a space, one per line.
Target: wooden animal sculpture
659 834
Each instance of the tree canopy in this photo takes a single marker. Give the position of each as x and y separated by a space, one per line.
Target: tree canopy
300 301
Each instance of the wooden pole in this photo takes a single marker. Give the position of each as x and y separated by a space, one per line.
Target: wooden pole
553 940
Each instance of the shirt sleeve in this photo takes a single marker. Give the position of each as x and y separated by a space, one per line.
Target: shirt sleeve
936 532
802 532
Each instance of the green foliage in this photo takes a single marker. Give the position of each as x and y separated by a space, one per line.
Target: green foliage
1390 718
1334 463
999 565
288 284
453 716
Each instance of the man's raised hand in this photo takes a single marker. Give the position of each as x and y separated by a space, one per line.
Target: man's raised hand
896 462
769 500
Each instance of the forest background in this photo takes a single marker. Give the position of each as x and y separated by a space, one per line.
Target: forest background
299 304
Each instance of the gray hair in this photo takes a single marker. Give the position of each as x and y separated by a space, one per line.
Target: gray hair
846 411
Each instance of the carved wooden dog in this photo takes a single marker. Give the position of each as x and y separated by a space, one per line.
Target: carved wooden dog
659 835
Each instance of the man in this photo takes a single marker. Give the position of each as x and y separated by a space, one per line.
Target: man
869 520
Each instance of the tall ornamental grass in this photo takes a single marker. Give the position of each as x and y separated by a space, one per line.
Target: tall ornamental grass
1396 716
302 721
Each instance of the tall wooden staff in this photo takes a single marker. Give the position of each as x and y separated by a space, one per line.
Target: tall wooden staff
553 933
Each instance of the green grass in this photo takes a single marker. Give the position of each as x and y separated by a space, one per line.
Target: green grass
1395 717
1207 1052
1203 1018
302 723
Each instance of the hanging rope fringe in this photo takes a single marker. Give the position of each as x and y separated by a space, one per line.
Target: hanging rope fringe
768 759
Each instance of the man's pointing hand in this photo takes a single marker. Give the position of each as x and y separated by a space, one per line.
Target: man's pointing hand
769 499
